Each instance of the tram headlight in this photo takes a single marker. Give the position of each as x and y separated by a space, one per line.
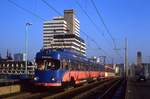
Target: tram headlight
36 78
53 79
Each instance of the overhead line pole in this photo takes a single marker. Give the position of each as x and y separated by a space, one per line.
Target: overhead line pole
126 59
26 48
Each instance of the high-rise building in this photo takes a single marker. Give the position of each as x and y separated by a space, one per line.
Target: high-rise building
72 22
139 58
58 26
63 33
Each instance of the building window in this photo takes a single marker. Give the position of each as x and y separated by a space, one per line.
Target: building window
21 65
17 65
3 65
12 65
7 65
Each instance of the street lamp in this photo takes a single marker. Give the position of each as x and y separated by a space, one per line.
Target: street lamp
26 47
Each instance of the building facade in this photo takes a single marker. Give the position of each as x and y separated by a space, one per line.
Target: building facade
16 68
139 58
63 33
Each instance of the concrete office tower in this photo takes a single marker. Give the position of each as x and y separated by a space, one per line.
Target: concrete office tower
72 22
63 33
57 26
139 58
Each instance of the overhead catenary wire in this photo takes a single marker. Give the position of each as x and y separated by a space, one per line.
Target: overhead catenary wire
99 48
91 20
105 26
95 26
26 10
44 1
103 22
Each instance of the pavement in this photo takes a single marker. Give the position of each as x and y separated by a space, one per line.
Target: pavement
138 90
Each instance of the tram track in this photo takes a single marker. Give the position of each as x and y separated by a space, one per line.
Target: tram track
38 94
17 96
81 92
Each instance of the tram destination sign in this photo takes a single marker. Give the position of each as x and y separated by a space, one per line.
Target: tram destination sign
46 57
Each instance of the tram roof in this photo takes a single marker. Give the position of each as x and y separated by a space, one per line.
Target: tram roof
59 54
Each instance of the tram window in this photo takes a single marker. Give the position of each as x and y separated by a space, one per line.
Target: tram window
49 65
65 64
73 65
52 64
40 64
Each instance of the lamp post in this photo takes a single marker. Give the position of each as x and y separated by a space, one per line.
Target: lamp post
26 47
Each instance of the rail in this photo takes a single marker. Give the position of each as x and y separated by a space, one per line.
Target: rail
81 92
97 89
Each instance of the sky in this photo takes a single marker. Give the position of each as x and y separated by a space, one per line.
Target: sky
124 19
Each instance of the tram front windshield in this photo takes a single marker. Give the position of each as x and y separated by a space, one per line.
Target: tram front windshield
49 64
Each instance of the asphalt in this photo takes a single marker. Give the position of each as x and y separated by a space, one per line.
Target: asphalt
138 90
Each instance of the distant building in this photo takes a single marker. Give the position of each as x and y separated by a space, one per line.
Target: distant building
15 68
63 33
0 57
19 57
139 58
93 59
7 59
102 60
146 69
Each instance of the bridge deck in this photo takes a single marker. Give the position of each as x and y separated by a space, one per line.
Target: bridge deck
138 90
